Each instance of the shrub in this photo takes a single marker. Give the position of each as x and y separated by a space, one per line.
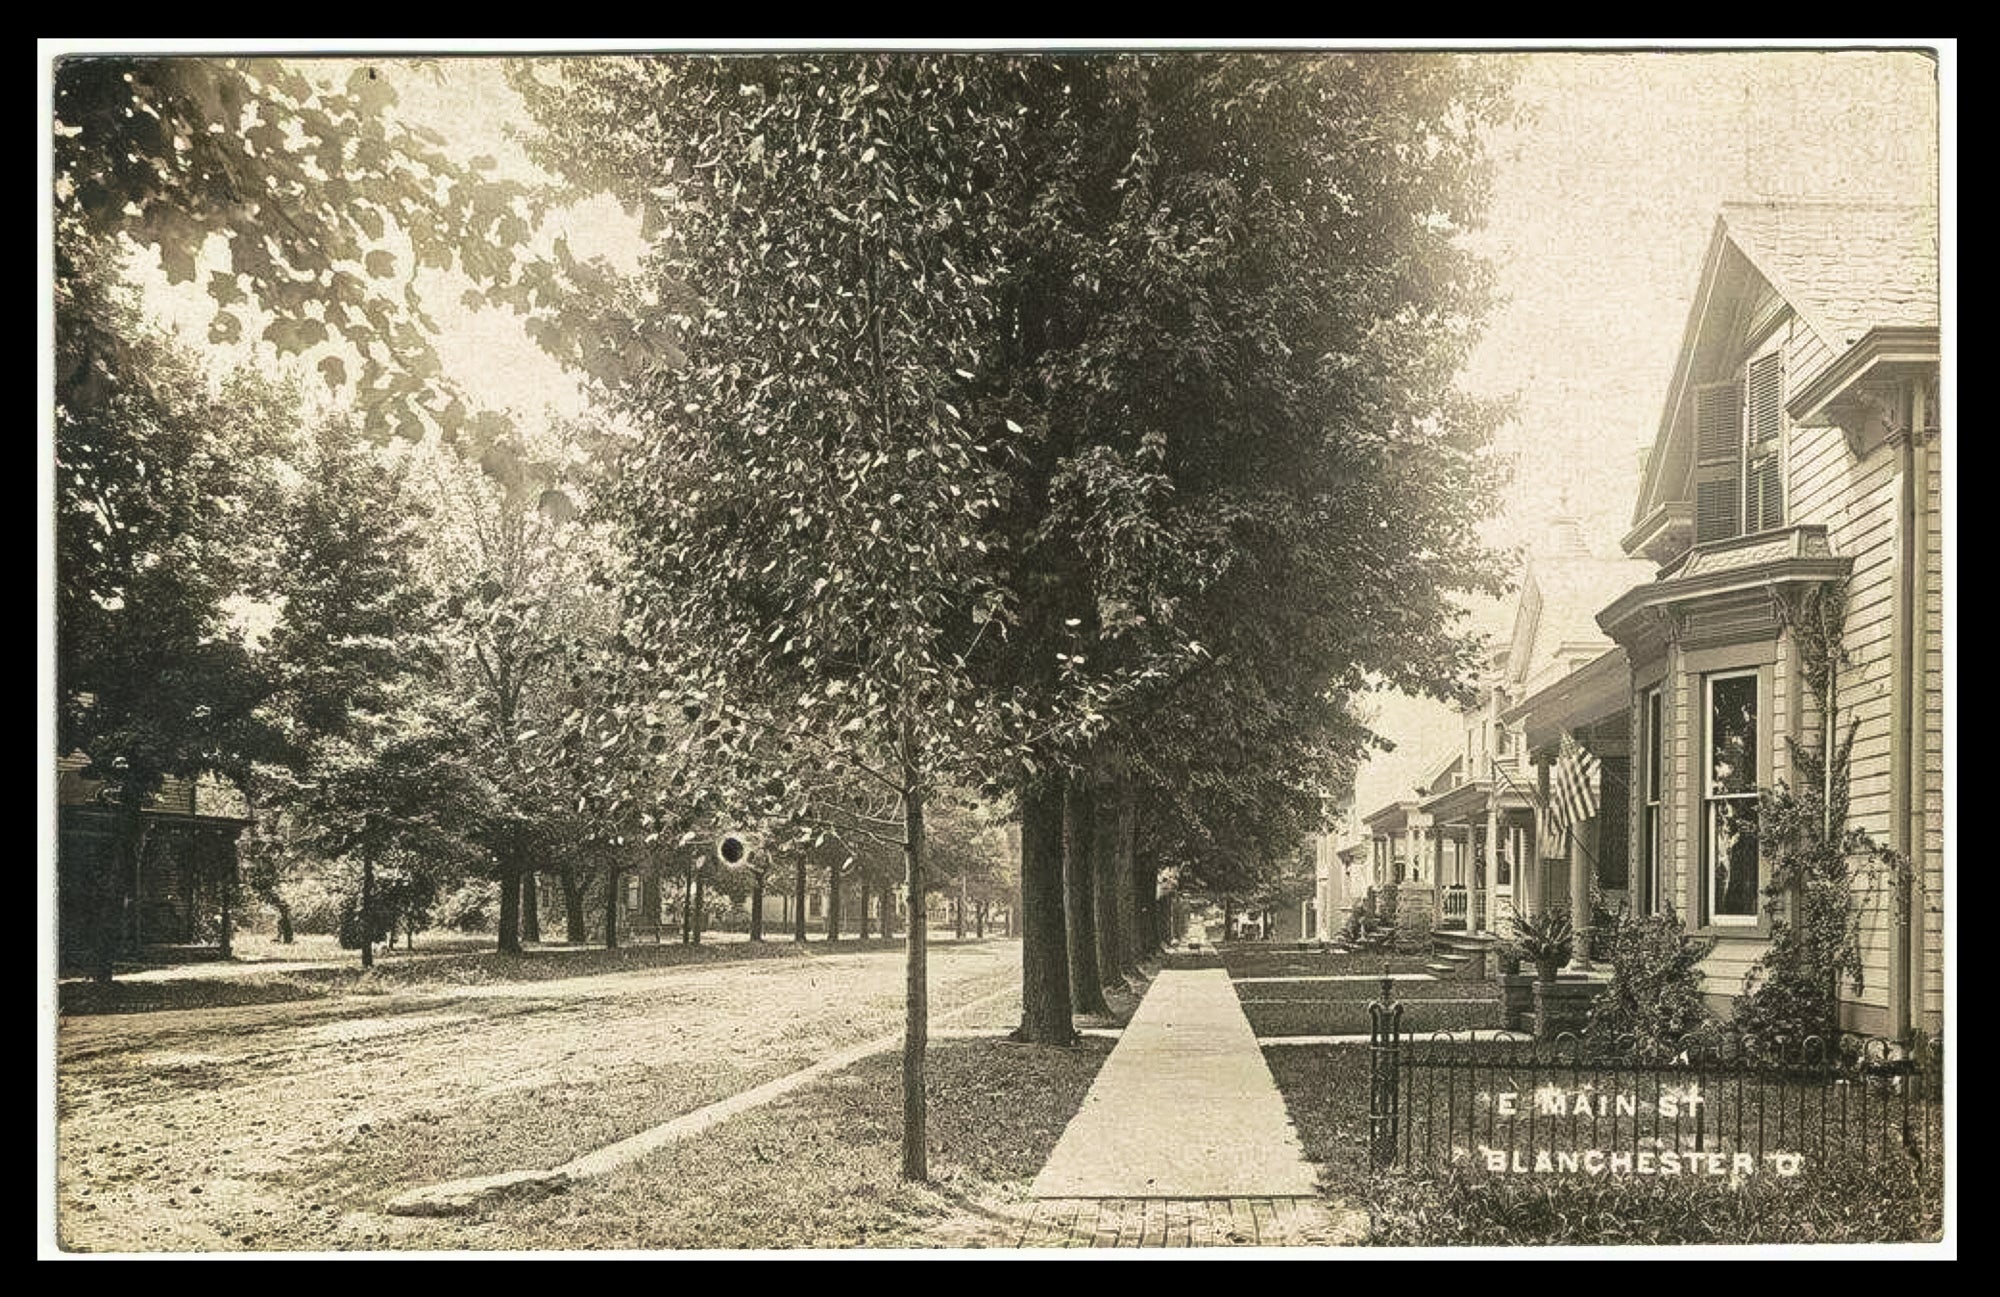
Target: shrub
316 905
350 925
472 906
1654 997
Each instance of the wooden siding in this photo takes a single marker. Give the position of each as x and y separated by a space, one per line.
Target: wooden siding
72 789
1858 501
1932 742
1805 355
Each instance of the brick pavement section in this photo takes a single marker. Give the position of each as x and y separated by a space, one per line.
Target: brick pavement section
1188 1222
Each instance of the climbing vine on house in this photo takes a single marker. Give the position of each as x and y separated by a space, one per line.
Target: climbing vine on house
1821 868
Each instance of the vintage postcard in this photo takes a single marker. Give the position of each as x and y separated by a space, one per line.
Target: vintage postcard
956 649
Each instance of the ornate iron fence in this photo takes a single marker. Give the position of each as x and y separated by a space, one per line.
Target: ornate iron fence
1714 1104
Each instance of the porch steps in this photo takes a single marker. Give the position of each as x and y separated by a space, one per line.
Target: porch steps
1461 954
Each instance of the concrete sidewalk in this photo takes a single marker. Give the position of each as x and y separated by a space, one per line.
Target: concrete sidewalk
1184 1108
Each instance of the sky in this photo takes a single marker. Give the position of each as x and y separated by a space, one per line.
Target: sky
1604 196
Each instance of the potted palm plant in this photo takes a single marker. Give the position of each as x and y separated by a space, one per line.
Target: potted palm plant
1546 940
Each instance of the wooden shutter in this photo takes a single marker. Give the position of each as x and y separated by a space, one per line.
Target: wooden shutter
1763 483
1718 474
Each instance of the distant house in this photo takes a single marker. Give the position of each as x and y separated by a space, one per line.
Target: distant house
1469 837
1798 448
179 889
1562 675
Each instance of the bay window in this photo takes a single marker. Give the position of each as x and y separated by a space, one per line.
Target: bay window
1652 751
1731 877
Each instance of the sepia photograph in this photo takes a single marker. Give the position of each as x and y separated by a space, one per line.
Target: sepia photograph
982 649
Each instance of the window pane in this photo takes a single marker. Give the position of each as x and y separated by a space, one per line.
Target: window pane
1653 748
1732 731
1652 843
1732 849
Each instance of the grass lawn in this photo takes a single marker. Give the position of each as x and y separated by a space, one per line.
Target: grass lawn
817 1168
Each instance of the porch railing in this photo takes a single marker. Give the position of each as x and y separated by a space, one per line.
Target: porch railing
1454 907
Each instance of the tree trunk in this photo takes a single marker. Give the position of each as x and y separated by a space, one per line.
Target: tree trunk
1145 923
694 910
576 929
861 905
979 921
1123 883
1045 993
109 903
612 878
833 903
367 912
226 892
510 909
687 907
958 923
1086 987
916 999
888 911
531 907
1104 886
799 902
756 905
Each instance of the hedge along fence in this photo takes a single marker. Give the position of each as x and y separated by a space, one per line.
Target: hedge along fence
1280 1018
1723 1107
1301 1002
1261 961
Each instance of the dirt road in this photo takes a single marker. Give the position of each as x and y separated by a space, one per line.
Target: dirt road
287 1126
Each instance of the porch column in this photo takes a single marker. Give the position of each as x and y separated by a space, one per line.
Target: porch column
1579 897
1544 851
1493 861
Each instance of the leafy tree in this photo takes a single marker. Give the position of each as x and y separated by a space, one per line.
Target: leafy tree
1237 299
515 564
353 654
397 792
809 499
1069 387
972 858
161 505
298 198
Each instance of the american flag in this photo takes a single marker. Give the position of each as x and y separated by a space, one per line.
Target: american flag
1573 791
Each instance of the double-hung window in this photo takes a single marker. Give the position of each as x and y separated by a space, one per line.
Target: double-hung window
1731 878
1652 752
1739 441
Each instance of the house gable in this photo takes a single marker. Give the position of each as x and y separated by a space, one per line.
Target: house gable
1811 283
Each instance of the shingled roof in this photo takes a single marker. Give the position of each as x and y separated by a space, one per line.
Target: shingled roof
1846 267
